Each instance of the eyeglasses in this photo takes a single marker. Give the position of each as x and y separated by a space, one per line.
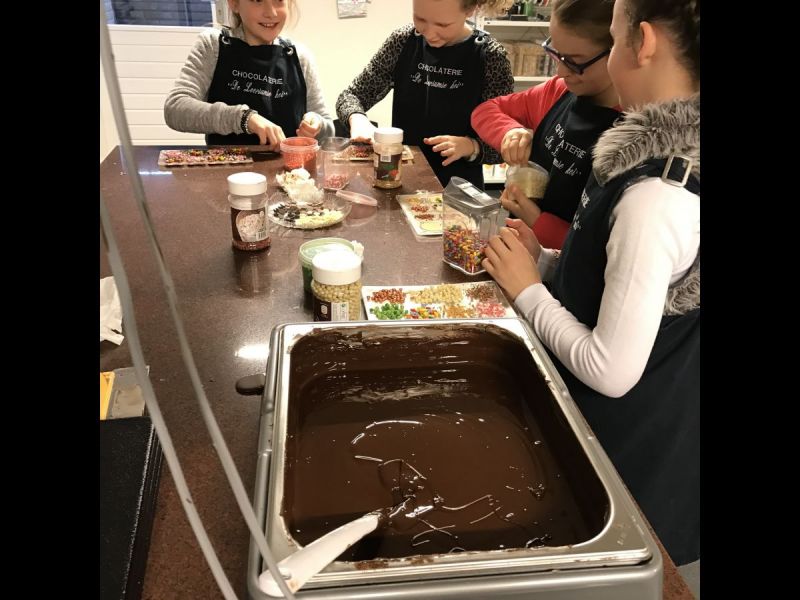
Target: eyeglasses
578 68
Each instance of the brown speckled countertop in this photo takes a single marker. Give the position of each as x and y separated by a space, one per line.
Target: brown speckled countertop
229 302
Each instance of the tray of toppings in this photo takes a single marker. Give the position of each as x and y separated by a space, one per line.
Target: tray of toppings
444 301
203 157
423 211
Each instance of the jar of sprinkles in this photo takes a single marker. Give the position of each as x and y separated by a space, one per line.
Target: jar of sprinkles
300 153
469 218
336 285
247 194
388 157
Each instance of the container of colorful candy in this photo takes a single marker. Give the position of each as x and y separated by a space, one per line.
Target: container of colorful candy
300 153
469 218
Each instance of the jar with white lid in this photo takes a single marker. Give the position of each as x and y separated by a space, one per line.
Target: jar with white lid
388 158
247 194
336 285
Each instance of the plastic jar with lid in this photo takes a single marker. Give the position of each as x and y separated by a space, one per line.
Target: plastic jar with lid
388 158
531 179
247 194
336 285
470 217
316 246
300 153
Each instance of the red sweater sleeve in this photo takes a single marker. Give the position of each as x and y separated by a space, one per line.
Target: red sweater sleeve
550 230
492 119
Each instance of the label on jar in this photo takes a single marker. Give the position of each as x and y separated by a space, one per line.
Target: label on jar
387 166
249 229
331 311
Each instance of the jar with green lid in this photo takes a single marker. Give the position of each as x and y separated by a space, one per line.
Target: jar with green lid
313 247
336 285
388 158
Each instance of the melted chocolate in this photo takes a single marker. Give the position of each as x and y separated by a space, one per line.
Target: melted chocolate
451 431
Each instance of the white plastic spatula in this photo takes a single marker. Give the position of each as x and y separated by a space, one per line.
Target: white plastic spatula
356 198
310 560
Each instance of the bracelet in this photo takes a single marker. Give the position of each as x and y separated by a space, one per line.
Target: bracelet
476 149
245 118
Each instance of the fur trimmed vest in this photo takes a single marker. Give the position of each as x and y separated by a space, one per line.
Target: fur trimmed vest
656 131
652 433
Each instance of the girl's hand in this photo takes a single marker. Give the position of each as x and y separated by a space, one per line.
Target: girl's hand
310 126
450 147
510 264
515 201
516 146
268 132
361 130
526 236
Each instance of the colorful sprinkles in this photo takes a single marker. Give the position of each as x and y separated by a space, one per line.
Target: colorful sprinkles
442 301
463 249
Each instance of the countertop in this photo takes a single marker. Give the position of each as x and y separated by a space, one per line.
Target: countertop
229 301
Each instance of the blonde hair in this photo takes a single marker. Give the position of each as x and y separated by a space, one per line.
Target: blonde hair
234 20
487 7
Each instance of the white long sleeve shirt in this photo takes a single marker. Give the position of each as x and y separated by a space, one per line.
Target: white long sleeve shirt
655 237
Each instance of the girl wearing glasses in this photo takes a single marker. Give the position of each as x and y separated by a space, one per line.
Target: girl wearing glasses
440 69
622 315
557 123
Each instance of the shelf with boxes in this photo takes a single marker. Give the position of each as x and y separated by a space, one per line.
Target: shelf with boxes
522 40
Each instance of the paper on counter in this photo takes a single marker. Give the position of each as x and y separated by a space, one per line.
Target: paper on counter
110 312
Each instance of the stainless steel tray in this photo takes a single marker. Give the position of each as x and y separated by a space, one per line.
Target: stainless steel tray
620 562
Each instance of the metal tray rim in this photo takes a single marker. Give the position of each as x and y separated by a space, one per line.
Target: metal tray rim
624 541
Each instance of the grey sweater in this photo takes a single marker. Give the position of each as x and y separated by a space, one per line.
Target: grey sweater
187 108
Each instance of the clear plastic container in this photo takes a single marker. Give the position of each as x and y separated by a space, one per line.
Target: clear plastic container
247 194
388 157
336 285
313 247
532 179
469 218
335 171
300 152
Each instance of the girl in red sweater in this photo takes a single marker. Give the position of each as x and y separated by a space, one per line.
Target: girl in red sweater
557 123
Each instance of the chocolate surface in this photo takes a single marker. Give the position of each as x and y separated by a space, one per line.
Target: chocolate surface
451 431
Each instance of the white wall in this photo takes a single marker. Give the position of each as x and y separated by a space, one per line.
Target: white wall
108 130
148 59
343 47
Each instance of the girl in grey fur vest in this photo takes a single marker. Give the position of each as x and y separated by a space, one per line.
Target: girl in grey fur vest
621 316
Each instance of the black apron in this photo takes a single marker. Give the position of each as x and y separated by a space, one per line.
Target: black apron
435 91
563 144
652 433
267 78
